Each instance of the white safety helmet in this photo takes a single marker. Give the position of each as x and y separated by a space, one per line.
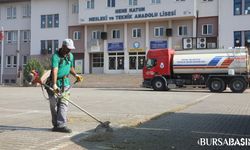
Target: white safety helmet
69 43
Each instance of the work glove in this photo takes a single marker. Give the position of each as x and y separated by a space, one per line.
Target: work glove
79 78
55 88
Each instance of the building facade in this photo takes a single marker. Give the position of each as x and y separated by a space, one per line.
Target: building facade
234 24
113 36
15 18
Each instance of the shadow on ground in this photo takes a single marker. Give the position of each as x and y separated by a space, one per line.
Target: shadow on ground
4 128
174 131
193 90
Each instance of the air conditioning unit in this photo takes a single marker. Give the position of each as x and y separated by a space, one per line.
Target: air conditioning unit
211 45
201 42
187 43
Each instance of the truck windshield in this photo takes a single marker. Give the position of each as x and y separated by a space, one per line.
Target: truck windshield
151 63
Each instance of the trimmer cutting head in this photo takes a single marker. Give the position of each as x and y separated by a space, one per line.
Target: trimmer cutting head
103 127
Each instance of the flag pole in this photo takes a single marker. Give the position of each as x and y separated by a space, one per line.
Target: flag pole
2 57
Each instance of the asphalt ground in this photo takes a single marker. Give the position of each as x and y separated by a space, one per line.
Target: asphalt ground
141 119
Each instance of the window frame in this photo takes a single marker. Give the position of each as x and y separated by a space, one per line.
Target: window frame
75 8
236 3
27 33
8 61
115 34
237 34
76 35
183 33
26 11
24 60
90 4
44 45
96 35
116 56
160 30
246 7
207 31
98 60
11 36
11 12
111 3
137 33
50 21
155 1
133 2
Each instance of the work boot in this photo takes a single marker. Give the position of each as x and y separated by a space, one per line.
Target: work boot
62 129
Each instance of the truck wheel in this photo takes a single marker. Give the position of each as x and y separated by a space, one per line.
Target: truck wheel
159 84
238 85
217 85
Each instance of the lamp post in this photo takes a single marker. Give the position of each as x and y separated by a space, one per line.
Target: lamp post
2 52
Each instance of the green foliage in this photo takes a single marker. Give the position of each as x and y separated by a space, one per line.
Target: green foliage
33 64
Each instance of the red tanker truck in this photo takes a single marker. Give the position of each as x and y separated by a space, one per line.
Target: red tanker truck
216 69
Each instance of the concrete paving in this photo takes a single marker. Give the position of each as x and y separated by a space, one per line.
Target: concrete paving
141 118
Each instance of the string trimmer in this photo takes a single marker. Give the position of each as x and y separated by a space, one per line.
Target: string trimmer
34 78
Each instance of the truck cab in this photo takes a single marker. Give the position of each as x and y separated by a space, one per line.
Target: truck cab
157 68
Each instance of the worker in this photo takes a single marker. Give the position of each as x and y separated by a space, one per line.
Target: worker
62 64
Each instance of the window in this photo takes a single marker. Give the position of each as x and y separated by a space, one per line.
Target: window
247 39
8 61
136 60
179 0
242 38
155 1
76 35
182 30
247 7
237 39
116 61
26 11
237 7
49 46
115 34
207 29
11 13
14 61
133 2
90 4
56 45
25 36
207 0
98 60
136 33
158 31
24 60
111 3
43 21
11 36
75 8
56 20
50 21
11 61
96 35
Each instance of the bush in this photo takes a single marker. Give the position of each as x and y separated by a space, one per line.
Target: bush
33 64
